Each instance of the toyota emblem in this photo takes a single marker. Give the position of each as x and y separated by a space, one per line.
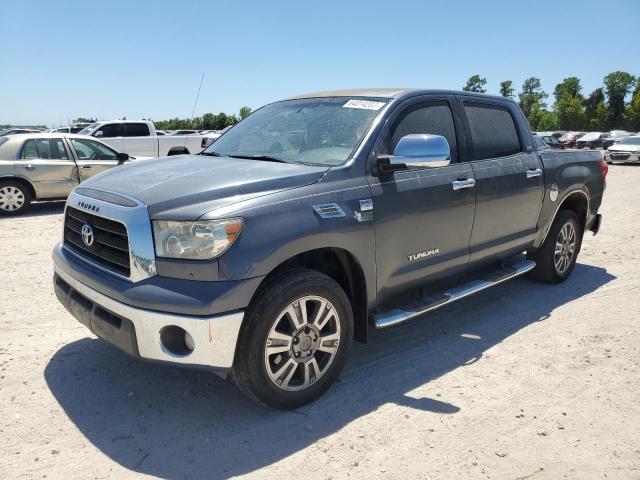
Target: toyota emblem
87 235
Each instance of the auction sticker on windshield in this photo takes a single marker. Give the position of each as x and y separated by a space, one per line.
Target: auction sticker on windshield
364 104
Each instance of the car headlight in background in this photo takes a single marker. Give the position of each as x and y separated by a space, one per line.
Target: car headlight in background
199 240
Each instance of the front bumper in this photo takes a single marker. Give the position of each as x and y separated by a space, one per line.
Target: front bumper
137 331
622 156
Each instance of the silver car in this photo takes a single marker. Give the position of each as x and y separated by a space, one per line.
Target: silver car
626 150
47 166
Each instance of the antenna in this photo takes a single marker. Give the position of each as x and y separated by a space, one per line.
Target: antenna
195 104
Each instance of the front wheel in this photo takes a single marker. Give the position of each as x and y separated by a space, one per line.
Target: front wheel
557 256
295 339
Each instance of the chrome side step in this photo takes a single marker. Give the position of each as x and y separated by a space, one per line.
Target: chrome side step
426 304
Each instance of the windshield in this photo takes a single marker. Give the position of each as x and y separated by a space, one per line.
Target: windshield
630 141
315 131
88 129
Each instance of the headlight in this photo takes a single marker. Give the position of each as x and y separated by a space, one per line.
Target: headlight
200 240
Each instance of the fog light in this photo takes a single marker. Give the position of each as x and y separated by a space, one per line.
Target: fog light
176 341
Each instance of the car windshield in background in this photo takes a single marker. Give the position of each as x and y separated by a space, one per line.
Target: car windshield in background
630 141
314 131
87 130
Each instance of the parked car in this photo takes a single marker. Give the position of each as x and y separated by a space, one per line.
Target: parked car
71 129
625 150
590 140
47 166
18 131
212 135
549 141
614 137
139 138
569 139
312 221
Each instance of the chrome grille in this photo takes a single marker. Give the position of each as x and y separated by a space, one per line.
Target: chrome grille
110 247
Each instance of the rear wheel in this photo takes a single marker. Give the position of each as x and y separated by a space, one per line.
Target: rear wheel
14 198
294 341
557 256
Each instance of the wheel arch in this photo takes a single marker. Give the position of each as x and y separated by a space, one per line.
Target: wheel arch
578 202
178 151
27 184
340 265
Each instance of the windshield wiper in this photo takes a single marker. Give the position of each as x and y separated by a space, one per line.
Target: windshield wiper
267 158
211 154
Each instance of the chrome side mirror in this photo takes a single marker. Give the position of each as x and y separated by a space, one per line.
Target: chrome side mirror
417 150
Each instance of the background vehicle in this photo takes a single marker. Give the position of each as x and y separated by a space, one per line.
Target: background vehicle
47 166
569 139
589 140
71 129
17 131
614 137
139 138
625 150
212 135
313 220
550 142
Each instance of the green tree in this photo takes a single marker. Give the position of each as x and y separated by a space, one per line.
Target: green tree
540 119
569 104
632 114
506 89
593 116
617 86
475 84
244 112
83 120
532 95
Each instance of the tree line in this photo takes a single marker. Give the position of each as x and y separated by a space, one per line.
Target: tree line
208 121
606 108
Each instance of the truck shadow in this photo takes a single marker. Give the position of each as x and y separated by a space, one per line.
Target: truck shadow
179 423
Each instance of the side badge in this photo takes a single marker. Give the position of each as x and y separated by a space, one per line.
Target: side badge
366 211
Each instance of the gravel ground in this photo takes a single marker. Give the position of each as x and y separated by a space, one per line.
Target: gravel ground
521 381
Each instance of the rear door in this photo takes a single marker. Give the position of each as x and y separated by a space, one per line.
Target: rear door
92 156
138 140
509 181
422 222
48 165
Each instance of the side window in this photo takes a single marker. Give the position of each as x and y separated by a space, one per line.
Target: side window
136 130
90 150
29 150
111 130
434 118
493 131
57 150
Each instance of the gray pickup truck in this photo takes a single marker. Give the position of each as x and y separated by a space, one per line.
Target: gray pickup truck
314 220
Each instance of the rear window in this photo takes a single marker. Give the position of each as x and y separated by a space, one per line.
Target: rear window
493 131
44 148
136 130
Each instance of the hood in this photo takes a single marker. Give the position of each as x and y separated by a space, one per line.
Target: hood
625 147
188 186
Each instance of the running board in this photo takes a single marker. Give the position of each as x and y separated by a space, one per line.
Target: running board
426 304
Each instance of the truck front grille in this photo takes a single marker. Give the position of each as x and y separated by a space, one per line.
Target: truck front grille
110 245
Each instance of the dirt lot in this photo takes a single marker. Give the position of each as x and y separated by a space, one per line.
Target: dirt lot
522 381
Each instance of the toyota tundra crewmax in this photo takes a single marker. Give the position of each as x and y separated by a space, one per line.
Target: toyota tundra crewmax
313 221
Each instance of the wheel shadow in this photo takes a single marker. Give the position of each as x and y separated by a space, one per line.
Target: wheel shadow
179 423
39 209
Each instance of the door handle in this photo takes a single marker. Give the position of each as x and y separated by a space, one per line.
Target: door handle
462 184
86 166
534 172
29 167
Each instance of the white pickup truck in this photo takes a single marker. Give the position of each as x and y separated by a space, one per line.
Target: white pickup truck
139 139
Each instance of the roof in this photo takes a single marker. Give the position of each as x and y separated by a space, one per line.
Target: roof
22 136
391 93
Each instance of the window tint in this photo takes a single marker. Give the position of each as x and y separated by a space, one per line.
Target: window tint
434 118
44 148
90 150
493 131
29 150
136 130
111 130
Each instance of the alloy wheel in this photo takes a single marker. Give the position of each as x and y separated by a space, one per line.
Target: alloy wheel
302 343
565 247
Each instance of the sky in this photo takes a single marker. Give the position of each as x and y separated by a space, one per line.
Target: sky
144 59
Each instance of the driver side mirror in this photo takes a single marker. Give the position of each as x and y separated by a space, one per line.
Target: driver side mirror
417 150
99 133
122 157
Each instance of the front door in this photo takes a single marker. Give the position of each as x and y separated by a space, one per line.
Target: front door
509 183
422 223
92 157
48 165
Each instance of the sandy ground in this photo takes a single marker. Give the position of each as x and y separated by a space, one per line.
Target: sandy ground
522 381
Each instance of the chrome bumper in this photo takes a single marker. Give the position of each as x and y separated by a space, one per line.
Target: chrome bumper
214 338
622 157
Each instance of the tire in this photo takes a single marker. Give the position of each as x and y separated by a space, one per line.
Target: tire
565 234
15 198
304 364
